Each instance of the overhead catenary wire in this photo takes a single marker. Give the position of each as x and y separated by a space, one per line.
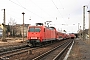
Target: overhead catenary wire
41 9
56 8
64 8
54 4
14 16
26 9
33 12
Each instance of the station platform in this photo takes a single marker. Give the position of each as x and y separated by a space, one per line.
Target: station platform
80 50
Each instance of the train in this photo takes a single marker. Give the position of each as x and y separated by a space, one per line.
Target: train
39 34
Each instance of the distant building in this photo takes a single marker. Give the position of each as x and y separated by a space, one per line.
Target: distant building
19 28
1 26
86 33
1 32
15 30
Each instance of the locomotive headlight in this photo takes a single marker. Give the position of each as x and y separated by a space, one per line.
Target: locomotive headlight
33 37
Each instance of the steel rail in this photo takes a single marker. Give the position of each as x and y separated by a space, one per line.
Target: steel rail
3 49
59 55
42 55
17 51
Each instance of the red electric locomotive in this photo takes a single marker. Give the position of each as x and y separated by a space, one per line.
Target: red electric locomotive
39 33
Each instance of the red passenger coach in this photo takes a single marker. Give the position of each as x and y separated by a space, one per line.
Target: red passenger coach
72 36
61 36
38 34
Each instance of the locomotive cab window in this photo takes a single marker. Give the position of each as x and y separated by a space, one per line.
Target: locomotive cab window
34 30
31 30
37 29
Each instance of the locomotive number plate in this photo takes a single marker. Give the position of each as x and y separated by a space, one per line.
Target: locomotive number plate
33 37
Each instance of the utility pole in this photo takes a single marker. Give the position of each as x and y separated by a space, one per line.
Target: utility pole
80 33
83 23
78 26
78 29
84 33
23 25
89 24
3 39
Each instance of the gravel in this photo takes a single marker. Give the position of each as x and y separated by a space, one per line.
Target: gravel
80 50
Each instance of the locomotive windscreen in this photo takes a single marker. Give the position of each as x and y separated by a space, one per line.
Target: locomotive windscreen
32 29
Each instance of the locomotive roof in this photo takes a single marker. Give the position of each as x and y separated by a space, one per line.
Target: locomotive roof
44 27
52 27
39 24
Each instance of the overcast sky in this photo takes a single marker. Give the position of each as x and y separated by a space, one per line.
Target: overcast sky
66 12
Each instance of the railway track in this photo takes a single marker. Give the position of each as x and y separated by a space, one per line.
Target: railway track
29 53
8 48
7 52
10 51
55 53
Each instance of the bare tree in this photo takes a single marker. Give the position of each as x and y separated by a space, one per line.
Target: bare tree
12 24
